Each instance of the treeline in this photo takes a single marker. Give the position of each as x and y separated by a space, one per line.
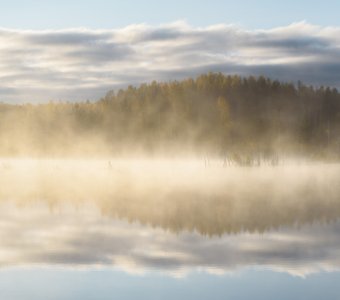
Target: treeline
213 114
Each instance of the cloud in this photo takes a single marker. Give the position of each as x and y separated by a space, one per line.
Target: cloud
80 64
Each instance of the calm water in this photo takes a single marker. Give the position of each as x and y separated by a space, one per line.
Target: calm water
168 230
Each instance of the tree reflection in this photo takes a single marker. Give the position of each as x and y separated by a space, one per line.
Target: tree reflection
211 202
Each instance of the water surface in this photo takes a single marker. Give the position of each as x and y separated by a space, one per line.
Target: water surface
163 229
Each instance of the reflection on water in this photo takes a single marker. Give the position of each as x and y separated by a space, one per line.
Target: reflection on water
175 217
181 195
81 237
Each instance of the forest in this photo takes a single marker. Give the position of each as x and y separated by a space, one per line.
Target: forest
241 119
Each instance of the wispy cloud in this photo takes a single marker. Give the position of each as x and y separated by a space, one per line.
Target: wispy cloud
80 64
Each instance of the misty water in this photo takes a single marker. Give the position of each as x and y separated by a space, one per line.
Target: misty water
168 229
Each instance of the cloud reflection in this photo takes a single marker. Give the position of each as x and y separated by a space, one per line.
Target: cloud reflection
82 237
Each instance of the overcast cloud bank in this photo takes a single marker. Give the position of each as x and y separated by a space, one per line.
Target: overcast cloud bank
80 64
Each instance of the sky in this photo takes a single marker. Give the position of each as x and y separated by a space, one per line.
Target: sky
87 285
98 14
79 50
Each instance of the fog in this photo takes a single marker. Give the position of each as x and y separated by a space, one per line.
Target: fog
246 121
217 173
173 216
180 194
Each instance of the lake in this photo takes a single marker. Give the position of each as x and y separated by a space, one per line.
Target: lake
168 229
